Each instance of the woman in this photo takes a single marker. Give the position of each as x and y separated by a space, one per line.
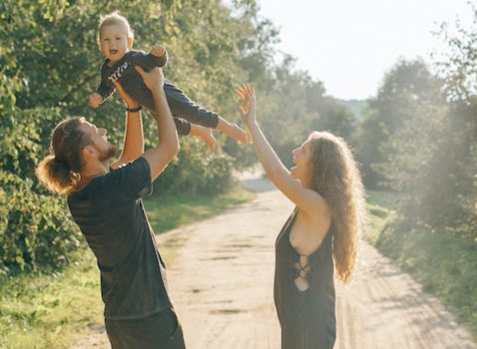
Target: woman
326 187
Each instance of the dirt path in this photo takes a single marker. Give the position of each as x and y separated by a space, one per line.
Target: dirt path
222 280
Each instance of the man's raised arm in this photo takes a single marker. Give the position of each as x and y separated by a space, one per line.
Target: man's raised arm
160 156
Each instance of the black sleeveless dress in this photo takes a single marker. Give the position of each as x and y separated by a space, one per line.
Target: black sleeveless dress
307 318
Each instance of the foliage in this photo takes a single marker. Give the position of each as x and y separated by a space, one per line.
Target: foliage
457 69
35 229
403 86
419 135
296 106
443 262
50 63
198 170
356 106
458 64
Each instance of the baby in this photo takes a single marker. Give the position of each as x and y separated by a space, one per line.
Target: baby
115 41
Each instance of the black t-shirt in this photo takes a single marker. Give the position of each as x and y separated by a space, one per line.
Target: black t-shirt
131 81
111 215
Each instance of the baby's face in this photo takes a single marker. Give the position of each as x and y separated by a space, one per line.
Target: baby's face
114 42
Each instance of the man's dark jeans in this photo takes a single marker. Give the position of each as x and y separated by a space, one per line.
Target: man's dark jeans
158 331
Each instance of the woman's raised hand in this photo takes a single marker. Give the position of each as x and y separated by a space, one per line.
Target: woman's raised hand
246 94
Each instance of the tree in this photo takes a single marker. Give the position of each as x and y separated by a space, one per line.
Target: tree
50 64
406 83
457 67
333 116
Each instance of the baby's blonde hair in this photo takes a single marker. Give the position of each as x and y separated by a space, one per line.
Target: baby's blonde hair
114 18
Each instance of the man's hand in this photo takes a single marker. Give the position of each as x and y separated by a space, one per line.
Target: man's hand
95 99
154 79
158 50
131 103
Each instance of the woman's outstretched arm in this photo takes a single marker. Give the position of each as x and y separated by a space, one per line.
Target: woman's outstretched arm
307 200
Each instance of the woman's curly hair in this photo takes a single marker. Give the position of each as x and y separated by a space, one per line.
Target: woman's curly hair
337 178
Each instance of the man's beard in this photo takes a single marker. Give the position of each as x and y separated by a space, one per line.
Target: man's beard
108 153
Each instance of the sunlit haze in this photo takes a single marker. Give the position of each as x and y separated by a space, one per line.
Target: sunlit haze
349 44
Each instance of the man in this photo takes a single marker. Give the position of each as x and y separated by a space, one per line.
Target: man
105 201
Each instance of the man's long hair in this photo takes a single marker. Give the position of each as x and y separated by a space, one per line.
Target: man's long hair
337 178
59 171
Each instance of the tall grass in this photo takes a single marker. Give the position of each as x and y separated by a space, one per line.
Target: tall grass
445 264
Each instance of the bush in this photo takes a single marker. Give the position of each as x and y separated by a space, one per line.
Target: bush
35 231
195 170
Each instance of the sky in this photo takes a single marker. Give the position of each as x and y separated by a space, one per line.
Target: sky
350 44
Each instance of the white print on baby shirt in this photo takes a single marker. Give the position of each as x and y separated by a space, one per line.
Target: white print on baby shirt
118 72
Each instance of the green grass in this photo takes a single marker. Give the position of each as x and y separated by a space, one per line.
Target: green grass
39 311
48 311
443 263
166 213
380 206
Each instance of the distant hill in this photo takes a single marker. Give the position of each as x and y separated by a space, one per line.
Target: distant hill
355 105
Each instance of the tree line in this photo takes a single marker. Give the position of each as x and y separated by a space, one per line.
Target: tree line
416 136
50 63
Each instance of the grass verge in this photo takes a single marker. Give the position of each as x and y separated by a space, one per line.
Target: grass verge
48 311
443 263
169 212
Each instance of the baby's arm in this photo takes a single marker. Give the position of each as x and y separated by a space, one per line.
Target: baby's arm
102 93
104 90
158 57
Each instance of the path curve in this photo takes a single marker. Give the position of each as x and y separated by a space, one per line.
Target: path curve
222 284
